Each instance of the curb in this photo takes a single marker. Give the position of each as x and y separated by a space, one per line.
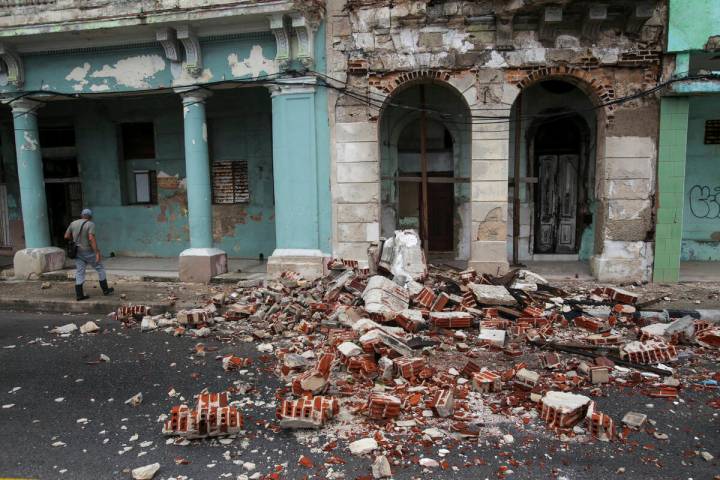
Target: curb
63 305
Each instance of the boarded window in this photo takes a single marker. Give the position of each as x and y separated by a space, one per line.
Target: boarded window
138 140
712 132
230 182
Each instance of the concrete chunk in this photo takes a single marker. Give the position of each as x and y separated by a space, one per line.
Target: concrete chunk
492 294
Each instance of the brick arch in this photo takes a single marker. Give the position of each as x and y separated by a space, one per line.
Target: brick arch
600 91
391 82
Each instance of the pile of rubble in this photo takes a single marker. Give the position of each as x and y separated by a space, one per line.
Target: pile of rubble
395 347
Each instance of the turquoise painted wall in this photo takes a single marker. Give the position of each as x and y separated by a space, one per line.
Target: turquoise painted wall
691 22
701 213
239 129
322 139
142 67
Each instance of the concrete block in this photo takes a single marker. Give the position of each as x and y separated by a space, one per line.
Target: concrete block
351 232
485 211
357 192
635 189
34 261
492 268
199 265
490 149
628 209
308 263
356 152
349 132
357 212
623 262
353 172
493 191
352 250
628 167
630 147
485 170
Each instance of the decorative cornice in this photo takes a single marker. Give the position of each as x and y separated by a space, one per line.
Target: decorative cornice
168 39
193 53
306 40
279 28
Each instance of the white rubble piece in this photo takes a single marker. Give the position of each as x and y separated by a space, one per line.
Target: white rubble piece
349 349
403 256
527 378
564 409
381 467
89 327
363 446
494 337
145 473
147 324
192 317
634 419
492 294
429 463
65 329
388 340
384 297
135 400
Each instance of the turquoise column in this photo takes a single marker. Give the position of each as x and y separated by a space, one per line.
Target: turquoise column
30 173
295 168
197 168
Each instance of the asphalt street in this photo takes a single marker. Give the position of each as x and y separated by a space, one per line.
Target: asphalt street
53 391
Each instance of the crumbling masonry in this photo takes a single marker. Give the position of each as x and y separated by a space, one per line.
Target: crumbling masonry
475 59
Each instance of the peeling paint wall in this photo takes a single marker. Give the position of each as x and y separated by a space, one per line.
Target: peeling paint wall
141 67
701 212
239 129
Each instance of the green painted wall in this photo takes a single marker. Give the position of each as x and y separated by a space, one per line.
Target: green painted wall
671 183
691 22
701 214
322 140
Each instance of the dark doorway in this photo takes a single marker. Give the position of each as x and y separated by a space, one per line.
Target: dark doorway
558 146
63 189
441 211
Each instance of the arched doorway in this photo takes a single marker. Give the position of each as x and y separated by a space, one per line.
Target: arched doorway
425 168
554 138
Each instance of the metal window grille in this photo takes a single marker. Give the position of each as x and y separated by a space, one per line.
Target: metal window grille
230 182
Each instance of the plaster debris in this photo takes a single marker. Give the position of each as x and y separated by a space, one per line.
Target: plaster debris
145 473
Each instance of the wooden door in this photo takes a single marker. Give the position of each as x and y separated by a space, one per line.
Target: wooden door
556 217
441 208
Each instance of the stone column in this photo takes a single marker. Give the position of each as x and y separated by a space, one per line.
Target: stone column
201 261
38 256
489 177
295 178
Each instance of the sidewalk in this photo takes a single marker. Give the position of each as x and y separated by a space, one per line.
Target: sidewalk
141 269
59 296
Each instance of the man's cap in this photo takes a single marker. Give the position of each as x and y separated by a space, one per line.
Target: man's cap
86 212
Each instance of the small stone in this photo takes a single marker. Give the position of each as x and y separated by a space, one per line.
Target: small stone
660 436
634 419
249 466
89 327
429 463
508 439
45 285
707 456
363 446
147 324
381 467
349 349
65 329
145 473
104 358
135 400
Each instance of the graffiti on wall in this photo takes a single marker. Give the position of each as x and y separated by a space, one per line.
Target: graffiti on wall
704 201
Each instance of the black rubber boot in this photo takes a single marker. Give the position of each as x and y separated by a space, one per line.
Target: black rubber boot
105 289
79 294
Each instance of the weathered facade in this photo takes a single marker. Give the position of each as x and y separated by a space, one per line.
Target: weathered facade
688 215
438 103
191 129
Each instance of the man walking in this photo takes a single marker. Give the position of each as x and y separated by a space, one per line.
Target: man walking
82 232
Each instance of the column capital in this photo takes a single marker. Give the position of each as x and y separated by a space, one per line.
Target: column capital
23 106
289 86
192 95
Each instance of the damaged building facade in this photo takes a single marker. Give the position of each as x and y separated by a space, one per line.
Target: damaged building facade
191 129
688 215
503 131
